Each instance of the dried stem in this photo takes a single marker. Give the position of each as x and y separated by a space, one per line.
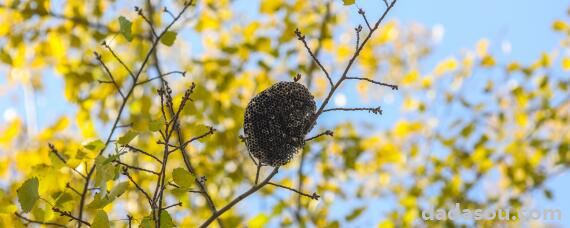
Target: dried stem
37 222
376 110
327 132
393 87
313 196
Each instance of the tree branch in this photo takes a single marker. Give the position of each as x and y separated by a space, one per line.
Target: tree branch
240 198
377 110
314 196
393 87
37 222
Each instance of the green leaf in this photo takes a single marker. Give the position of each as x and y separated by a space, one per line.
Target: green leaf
125 29
155 125
182 177
348 2
95 145
101 220
99 202
127 138
166 220
355 213
118 190
5 57
168 38
260 220
28 194
147 222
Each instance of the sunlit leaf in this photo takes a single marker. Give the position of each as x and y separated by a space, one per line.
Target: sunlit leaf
101 220
125 28
348 2
166 220
127 137
168 38
182 177
28 194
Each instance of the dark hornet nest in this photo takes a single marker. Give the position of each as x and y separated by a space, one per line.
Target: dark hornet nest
276 122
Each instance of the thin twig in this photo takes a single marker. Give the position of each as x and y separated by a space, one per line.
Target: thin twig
140 13
240 198
135 167
393 87
210 131
68 214
119 59
361 12
183 73
313 196
62 159
126 173
98 57
327 132
37 222
377 110
173 205
72 189
257 174
134 149
301 37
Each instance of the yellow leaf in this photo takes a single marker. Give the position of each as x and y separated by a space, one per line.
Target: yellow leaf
488 61
566 63
446 66
559 25
270 7
10 132
482 47
258 221
411 77
513 66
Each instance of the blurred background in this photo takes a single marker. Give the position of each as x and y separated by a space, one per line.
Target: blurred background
480 117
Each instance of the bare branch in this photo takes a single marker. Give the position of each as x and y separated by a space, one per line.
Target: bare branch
52 149
377 110
98 57
37 222
134 149
68 214
126 173
173 205
301 37
135 167
314 196
140 13
119 59
393 87
252 190
361 12
210 131
327 132
72 189
183 73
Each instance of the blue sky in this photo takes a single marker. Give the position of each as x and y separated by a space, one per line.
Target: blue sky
524 24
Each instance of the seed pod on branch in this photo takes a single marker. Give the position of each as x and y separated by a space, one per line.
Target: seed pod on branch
276 122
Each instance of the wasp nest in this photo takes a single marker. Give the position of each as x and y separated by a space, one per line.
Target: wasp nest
276 122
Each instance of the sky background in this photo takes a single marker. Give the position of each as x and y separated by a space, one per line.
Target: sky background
522 25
